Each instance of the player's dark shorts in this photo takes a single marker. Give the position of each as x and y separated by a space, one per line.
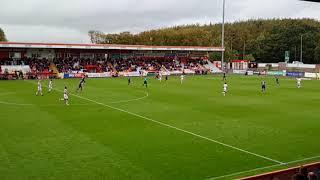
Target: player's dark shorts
263 87
145 82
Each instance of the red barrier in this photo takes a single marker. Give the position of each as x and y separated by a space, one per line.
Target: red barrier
286 174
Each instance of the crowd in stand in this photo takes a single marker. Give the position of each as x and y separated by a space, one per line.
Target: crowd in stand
67 65
304 174
74 64
134 64
36 65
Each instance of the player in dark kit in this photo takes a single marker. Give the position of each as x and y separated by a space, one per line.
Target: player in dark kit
263 86
81 84
224 77
145 82
277 81
166 78
129 80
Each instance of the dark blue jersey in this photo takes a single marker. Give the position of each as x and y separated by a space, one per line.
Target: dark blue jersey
82 81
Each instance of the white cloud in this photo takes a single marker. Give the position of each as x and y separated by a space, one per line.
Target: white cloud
44 34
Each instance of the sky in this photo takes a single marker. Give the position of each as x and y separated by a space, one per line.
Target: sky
68 21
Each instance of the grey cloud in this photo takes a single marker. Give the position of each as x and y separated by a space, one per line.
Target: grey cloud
69 20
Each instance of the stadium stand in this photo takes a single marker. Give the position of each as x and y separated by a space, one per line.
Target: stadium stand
306 172
76 65
46 58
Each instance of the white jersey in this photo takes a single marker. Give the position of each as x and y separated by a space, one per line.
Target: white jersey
50 87
182 77
225 87
299 81
39 86
65 94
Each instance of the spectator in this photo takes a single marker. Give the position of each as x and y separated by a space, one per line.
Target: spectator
304 172
298 176
312 176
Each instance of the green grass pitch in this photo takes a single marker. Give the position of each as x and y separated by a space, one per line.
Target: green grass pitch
168 131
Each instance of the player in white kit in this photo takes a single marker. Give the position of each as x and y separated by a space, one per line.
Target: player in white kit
160 76
39 91
225 89
50 86
181 78
65 96
299 82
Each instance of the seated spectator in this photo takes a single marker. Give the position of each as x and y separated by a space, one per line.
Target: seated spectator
304 172
132 64
298 176
312 176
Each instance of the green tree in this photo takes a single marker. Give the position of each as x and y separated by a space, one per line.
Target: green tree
2 36
317 54
265 40
96 36
250 57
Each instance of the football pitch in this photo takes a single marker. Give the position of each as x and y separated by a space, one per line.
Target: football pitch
166 131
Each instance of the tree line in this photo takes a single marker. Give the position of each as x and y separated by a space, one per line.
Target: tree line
260 40
2 35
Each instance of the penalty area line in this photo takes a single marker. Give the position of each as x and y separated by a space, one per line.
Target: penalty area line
179 129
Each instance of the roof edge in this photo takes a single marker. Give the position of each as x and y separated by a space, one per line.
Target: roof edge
105 46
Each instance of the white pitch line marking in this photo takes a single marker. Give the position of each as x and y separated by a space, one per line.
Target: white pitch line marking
137 99
176 128
179 129
39 105
6 93
262 168
15 104
53 105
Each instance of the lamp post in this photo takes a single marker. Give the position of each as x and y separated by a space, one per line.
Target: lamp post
222 34
301 51
244 50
